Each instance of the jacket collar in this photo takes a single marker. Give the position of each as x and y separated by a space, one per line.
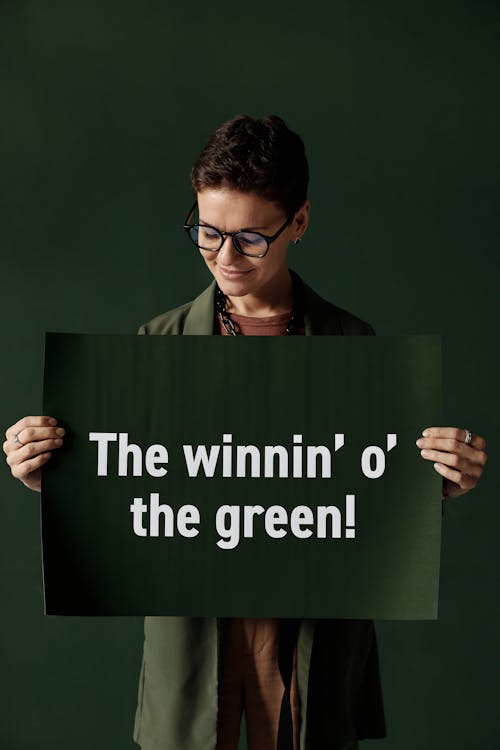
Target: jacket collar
320 316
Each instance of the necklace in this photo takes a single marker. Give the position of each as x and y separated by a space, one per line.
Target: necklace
231 327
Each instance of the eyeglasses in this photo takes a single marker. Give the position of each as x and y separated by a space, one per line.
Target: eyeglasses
254 244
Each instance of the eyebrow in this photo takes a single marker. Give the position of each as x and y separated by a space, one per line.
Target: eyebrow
243 229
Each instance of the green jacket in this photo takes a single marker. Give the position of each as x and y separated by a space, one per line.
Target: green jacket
338 675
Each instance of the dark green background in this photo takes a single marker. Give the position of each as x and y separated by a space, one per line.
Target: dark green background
104 108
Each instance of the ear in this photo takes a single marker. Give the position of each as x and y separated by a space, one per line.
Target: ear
301 219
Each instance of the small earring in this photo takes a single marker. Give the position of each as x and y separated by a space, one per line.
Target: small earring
296 242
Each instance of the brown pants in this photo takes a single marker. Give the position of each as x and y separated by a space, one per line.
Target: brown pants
252 681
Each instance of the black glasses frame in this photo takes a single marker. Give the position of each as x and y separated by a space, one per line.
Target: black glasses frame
234 235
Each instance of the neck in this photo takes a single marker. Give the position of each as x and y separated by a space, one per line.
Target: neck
276 297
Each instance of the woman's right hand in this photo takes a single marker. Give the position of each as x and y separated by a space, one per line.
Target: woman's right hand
28 445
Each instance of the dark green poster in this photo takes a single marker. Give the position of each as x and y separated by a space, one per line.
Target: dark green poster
255 476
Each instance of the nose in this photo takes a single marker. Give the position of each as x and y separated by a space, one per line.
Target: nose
228 252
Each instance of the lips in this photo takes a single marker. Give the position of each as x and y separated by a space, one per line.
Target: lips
229 273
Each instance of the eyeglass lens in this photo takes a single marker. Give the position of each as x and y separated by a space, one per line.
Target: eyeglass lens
208 238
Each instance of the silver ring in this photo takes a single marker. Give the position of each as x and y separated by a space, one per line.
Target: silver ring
16 439
468 437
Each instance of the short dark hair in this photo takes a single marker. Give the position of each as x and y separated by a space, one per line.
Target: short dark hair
255 156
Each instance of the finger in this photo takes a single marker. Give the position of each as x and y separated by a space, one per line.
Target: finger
32 449
461 480
33 434
474 455
455 433
477 441
451 460
29 422
21 471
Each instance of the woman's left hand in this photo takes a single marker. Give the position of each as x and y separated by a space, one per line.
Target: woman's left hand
460 464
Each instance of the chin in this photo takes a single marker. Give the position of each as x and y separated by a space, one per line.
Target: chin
231 288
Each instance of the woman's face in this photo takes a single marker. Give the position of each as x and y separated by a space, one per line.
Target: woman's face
230 210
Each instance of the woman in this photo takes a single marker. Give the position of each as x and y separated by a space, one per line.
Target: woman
306 683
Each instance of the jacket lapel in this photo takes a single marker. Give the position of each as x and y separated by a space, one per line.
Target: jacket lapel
200 318
320 317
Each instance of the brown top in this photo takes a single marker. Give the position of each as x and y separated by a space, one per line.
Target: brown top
251 678
273 325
